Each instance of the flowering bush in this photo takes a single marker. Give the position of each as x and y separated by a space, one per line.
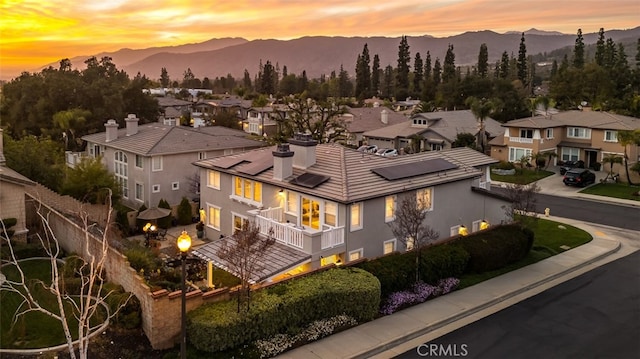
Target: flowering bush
419 293
316 330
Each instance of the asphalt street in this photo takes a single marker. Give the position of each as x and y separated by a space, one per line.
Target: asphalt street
595 315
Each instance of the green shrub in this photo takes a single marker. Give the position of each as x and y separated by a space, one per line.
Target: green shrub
184 212
129 316
8 223
442 261
72 266
396 271
495 248
166 221
351 291
504 165
141 259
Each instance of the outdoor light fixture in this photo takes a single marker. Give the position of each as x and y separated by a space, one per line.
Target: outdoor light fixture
463 230
281 192
184 243
484 224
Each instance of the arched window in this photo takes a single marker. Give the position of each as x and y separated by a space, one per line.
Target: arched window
122 173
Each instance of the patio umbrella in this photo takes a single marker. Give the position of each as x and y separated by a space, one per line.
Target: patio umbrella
153 213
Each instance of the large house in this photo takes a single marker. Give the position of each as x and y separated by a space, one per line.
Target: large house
153 161
433 131
12 196
571 135
327 203
362 119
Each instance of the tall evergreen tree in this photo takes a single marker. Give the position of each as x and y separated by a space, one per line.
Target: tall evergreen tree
375 75
504 66
522 61
578 51
363 74
344 85
164 78
402 71
437 72
449 66
246 80
417 75
387 82
268 80
600 48
483 61
609 54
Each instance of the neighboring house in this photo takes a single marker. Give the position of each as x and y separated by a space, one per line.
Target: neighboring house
363 119
572 135
12 196
172 110
434 131
153 161
328 203
261 121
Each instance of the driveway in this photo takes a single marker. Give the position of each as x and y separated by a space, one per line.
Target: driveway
553 185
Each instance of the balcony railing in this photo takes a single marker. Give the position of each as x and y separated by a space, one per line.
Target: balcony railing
521 139
287 233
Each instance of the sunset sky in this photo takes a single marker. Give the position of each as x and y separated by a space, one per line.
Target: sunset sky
34 33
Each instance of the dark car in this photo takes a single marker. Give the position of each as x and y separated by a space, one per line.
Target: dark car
571 164
579 177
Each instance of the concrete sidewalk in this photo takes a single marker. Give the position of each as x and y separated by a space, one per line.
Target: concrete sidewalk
385 333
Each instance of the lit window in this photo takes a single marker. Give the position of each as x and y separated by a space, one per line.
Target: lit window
424 198
389 208
330 214
356 216
247 190
355 255
410 243
213 179
389 246
238 222
213 219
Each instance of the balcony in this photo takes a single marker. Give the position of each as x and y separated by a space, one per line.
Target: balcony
520 139
304 238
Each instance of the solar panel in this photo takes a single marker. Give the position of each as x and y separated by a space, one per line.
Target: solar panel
227 162
256 167
413 169
309 180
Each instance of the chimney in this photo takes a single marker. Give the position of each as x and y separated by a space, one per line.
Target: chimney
112 130
384 116
3 161
132 124
304 149
282 162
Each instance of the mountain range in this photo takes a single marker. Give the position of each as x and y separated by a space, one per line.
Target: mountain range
319 55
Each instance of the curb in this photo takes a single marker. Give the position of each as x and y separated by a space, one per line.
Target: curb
439 324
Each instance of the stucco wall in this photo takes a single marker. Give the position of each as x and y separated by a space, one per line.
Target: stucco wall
12 206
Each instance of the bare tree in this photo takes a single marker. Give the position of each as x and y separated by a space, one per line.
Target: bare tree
409 227
321 119
522 199
243 252
82 306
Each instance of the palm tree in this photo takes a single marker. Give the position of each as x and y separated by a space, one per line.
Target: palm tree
626 138
481 108
611 159
539 159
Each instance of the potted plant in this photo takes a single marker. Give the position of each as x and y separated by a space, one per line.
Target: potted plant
200 230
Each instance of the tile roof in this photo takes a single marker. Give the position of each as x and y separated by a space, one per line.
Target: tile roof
590 119
364 119
445 124
9 175
159 139
351 176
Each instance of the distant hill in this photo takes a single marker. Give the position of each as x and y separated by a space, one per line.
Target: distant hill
321 55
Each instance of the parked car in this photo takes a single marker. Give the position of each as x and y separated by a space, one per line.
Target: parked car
567 165
579 177
387 152
368 148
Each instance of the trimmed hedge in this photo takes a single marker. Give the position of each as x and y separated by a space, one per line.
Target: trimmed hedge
495 248
286 306
396 271
443 261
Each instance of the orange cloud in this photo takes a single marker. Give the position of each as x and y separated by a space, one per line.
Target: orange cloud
37 32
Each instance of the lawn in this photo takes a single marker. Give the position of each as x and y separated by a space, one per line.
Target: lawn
43 331
550 236
615 190
522 176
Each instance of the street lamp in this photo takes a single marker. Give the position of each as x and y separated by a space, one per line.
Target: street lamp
184 243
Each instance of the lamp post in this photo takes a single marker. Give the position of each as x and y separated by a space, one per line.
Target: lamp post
184 243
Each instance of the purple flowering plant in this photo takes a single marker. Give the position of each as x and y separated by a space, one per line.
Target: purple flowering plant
419 293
